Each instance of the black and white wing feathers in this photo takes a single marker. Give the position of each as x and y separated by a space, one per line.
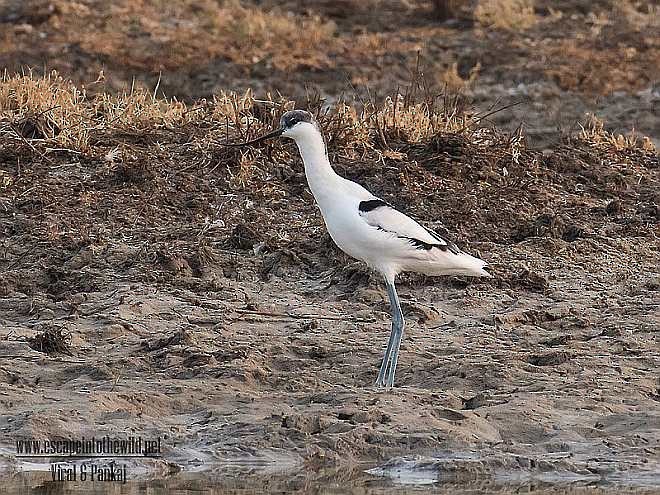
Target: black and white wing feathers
383 216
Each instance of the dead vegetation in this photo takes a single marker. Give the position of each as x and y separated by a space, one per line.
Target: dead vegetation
210 45
511 15
51 341
135 34
130 184
56 113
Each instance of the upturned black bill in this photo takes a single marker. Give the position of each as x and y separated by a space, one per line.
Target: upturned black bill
275 133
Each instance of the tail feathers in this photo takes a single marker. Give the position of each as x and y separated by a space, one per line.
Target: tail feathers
484 273
456 264
474 267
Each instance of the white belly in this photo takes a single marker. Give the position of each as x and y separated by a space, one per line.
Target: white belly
360 240
348 237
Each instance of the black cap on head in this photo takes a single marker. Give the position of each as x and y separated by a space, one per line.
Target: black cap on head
292 117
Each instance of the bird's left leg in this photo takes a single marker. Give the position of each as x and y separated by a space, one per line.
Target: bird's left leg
387 361
398 325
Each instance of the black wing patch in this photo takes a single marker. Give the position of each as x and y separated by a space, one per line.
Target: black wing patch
446 238
424 245
371 204
445 243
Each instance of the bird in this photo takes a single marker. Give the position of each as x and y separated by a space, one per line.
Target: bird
371 230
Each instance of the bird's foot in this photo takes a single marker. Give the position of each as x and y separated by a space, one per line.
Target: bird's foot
385 380
382 386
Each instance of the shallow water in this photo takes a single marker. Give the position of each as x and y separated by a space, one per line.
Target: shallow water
197 485
363 480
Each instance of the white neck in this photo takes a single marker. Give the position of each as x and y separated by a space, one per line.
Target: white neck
321 178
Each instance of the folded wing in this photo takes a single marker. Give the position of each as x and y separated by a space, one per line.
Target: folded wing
383 216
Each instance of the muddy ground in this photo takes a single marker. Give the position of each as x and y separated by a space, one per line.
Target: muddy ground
149 285
159 299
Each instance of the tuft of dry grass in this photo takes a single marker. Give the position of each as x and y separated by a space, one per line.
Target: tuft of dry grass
508 15
48 107
51 341
593 132
452 80
54 109
140 108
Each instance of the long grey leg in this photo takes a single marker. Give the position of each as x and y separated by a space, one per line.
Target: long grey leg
394 358
380 382
398 324
391 357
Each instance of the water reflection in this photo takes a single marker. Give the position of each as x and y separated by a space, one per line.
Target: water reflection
354 482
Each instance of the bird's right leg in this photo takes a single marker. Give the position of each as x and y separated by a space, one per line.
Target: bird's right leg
398 325
390 359
384 367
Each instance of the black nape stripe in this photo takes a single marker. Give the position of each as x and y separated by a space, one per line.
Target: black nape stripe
371 204
293 117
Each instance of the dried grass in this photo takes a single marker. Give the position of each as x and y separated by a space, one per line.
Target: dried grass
52 106
508 15
63 116
254 35
51 341
593 132
66 117
140 108
136 33
453 81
